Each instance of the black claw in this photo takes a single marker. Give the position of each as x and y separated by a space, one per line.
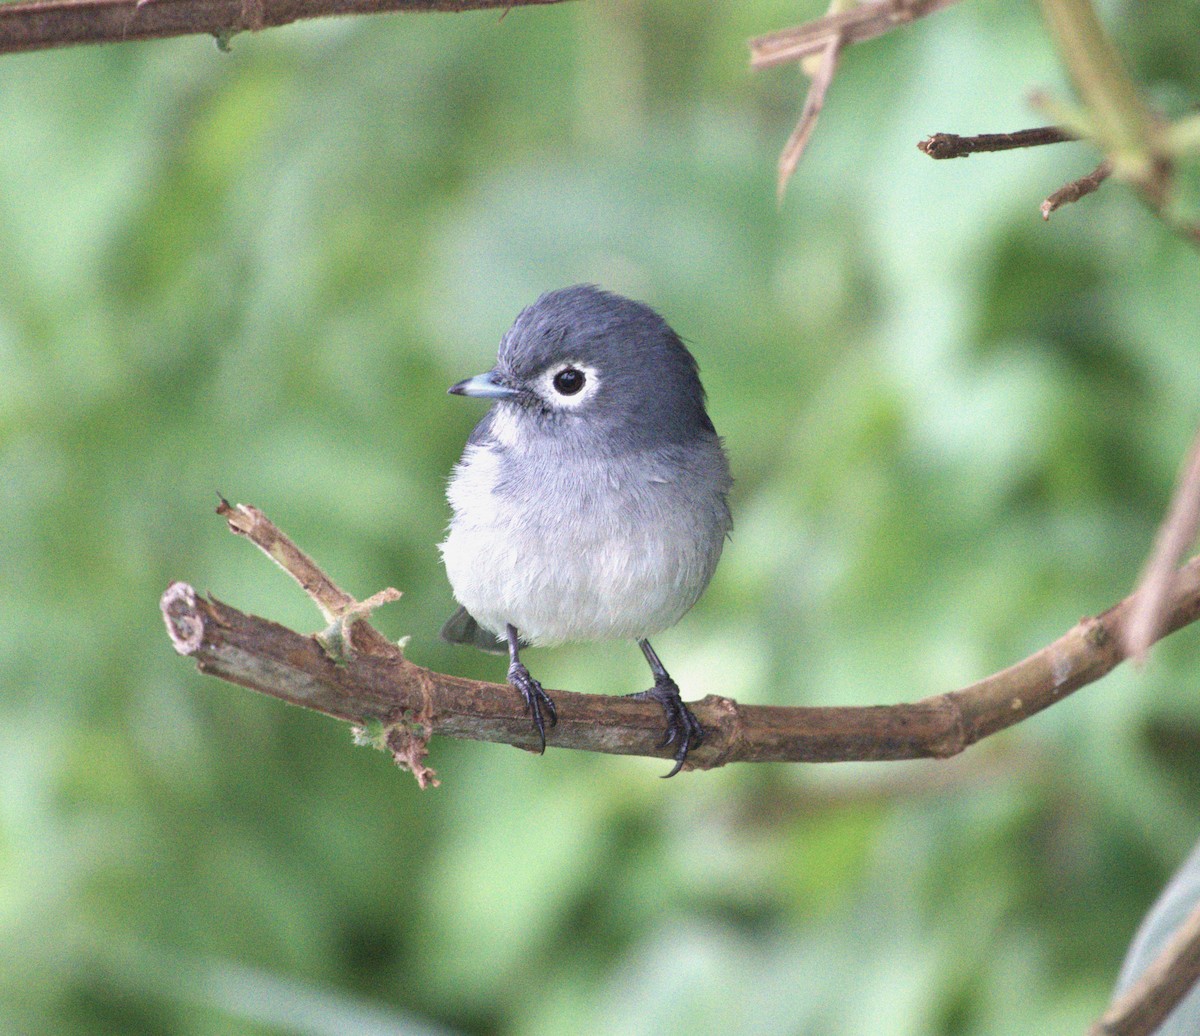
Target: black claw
683 729
535 699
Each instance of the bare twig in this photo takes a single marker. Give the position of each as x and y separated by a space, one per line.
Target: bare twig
864 22
377 688
826 37
1076 189
60 23
340 610
1176 533
951 145
1143 1007
263 533
793 150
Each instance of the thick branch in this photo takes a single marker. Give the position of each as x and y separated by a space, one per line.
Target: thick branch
60 23
376 684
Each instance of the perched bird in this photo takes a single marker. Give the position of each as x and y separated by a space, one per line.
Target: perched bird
590 501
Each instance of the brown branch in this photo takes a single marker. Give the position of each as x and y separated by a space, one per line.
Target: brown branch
341 611
794 149
865 22
1076 189
951 145
400 703
250 522
827 37
61 23
1177 531
1143 1007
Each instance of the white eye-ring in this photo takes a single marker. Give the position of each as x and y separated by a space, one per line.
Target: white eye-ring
569 385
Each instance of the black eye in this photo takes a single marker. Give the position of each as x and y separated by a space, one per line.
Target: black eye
568 381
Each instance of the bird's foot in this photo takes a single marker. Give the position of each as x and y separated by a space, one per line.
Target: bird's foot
536 700
683 729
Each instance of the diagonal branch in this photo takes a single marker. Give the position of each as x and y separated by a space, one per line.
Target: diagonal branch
826 37
60 23
400 703
796 144
1177 531
1072 192
1143 1007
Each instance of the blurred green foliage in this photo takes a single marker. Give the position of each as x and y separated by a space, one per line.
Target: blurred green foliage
954 429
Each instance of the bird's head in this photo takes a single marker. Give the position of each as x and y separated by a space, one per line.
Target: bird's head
588 363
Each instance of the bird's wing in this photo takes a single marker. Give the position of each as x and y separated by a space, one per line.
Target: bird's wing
461 628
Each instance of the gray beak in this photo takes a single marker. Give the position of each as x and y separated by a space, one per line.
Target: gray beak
484 386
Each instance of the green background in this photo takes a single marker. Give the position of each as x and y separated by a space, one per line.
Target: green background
954 429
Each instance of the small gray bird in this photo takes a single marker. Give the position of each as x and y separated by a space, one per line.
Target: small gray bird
590 501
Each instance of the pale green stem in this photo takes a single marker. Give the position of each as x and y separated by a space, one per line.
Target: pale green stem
1126 129
1183 137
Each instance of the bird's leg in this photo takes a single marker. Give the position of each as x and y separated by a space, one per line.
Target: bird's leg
535 698
682 727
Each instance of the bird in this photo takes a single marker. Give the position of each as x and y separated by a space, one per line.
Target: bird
591 501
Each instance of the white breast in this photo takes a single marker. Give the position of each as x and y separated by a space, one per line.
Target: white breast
613 549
